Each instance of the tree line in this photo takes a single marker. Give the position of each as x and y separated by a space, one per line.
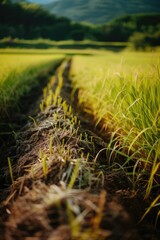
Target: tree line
31 21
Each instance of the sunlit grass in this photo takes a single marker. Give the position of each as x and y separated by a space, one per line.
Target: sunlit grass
18 73
122 92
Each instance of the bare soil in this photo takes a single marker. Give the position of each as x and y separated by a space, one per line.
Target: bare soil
40 206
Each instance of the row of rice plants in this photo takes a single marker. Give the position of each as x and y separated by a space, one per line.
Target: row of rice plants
122 92
18 73
63 148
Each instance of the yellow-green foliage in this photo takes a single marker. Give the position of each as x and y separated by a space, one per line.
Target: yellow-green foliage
123 90
19 61
18 71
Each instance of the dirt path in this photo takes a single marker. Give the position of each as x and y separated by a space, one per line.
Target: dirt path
62 186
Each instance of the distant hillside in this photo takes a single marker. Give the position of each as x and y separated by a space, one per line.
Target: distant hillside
31 21
42 1
17 1
101 11
34 1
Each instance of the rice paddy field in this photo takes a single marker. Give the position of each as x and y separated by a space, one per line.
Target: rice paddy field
122 92
18 70
80 152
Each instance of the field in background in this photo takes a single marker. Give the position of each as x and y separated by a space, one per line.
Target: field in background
68 44
122 93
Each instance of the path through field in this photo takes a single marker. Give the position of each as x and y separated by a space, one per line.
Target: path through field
59 185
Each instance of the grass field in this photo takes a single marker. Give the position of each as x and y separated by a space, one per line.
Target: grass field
18 71
122 93
58 171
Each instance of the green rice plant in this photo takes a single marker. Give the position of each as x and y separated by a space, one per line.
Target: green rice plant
50 144
74 174
41 106
74 225
34 121
43 158
10 171
55 116
154 204
33 173
60 83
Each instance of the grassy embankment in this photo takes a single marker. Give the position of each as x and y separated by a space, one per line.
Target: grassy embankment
122 93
